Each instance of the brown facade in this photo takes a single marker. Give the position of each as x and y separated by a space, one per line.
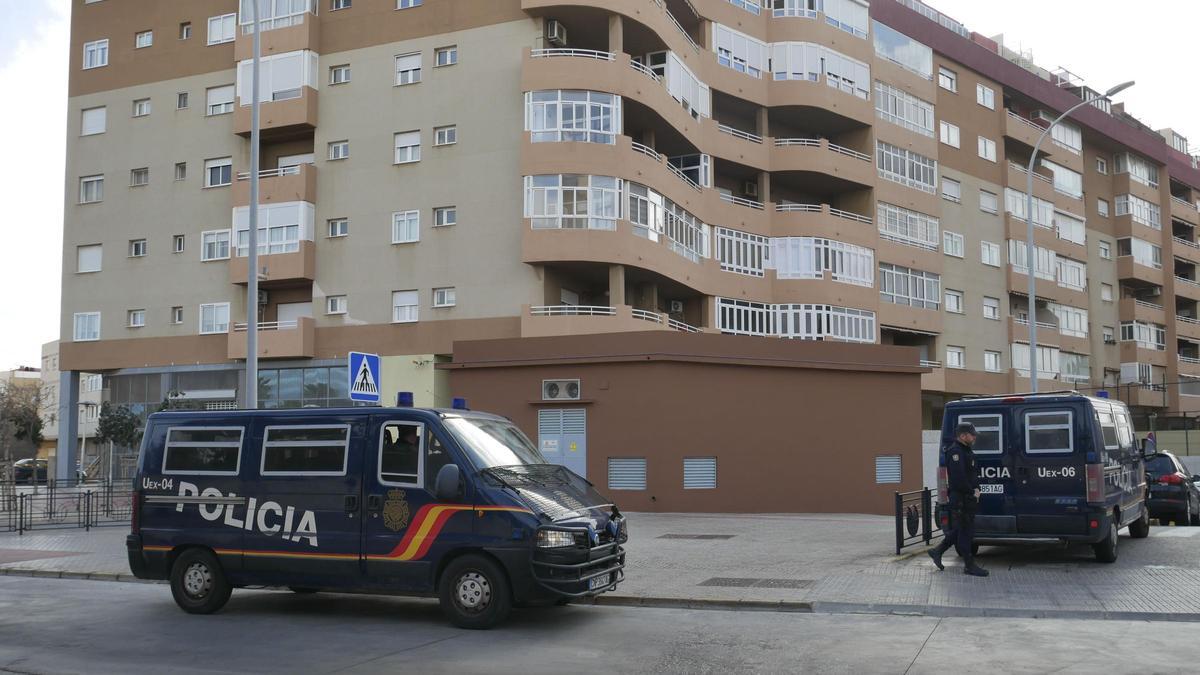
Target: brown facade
794 427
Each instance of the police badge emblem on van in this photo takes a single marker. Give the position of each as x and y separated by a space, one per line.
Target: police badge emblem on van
395 511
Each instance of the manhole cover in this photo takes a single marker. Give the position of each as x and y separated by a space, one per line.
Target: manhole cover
738 582
695 536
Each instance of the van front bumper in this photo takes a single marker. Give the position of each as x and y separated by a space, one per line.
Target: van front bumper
577 572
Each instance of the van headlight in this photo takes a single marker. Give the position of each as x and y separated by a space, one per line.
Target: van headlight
554 539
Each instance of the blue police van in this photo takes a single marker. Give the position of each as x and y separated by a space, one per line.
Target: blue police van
446 503
1054 466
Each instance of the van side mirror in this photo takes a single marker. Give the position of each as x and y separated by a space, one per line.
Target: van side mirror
446 487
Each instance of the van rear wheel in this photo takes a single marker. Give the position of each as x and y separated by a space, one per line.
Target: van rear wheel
1140 528
474 592
1106 549
198 583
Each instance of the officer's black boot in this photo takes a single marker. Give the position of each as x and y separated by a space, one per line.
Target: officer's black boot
936 553
973 569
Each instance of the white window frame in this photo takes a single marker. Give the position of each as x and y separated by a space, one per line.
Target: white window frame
418 478
987 422
1102 166
180 171
994 366
953 244
987 149
95 54
335 304
214 307
451 51
445 216
949 134
985 96
1102 207
339 150
445 135
408 4
139 177
995 198
80 254
185 30
956 357
138 248
954 195
217 163
143 39
339 74
1105 249
989 253
908 227
409 153
99 122
991 310
1070 425
183 100
337 227
406 226
445 296
947 79
226 29
409 74
178 243
203 444
214 238
177 315
88 336
411 311
1106 292
136 318
954 301
221 107
335 5
141 107
268 443
906 167
84 182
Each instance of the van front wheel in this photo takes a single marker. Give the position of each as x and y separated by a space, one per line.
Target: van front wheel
474 592
1106 549
198 582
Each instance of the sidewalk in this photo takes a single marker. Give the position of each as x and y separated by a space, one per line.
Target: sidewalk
822 563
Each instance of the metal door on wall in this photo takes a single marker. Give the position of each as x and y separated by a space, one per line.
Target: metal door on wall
562 437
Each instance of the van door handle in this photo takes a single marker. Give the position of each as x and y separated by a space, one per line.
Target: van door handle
351 503
374 502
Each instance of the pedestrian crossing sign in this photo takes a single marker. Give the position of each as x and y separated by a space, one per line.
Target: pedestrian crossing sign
364 377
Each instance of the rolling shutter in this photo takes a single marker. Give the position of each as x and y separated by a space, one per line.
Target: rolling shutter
699 473
627 473
887 469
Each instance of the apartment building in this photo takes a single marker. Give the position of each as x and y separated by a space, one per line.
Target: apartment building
91 392
448 170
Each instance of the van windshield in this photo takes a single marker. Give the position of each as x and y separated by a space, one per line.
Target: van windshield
493 443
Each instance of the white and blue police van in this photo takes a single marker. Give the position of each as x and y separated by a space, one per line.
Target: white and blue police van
1052 466
447 503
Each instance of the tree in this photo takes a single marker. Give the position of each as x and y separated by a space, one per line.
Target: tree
20 416
118 425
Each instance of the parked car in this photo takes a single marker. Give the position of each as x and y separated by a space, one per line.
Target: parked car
30 471
1174 493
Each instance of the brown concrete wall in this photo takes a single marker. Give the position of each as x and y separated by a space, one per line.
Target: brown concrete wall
795 426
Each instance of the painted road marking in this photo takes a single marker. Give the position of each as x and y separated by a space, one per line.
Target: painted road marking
1177 532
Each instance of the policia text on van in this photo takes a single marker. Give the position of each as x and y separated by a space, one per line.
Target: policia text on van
402 501
1052 466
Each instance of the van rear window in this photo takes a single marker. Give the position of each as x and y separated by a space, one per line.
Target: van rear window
305 450
990 440
203 450
1108 427
1047 432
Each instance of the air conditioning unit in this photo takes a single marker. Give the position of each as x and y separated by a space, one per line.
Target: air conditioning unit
560 390
1154 292
1043 115
750 189
1110 341
262 297
677 307
556 33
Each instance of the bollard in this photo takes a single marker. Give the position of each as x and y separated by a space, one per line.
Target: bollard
927 514
899 523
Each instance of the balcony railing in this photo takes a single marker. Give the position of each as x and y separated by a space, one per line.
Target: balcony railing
1187 319
681 326
838 213
1028 123
267 23
1183 202
579 53
1148 305
572 310
662 5
1020 169
741 201
936 16
647 315
816 143
930 364
744 135
1185 242
789 207
1189 282
1040 324
268 326
645 70
646 150
272 173
683 176
1189 359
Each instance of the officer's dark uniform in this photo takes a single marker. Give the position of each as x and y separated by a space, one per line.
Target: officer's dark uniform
964 481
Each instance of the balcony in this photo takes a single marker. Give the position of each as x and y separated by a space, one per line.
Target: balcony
1044 237
1127 268
1025 131
806 154
1132 309
822 220
549 320
1043 184
283 269
907 318
1123 183
1142 395
277 340
1047 333
1187 327
1187 288
285 184
282 34
1132 351
1047 289
1189 366
1185 211
280 119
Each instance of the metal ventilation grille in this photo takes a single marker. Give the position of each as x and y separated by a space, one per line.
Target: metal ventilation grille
627 473
887 469
699 473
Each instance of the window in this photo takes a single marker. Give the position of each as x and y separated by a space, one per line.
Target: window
141 107
900 107
214 245
948 133
1102 207
902 50
408 4
95 54
798 257
339 150
987 149
445 56
1015 202
143 39
214 318
989 202
445 135
444 297
848 15
335 304
906 167
985 96
956 357
991 363
185 30
281 226
177 243
799 61
1045 260
1066 181
339 74
181 100
445 215
573 201
219 100
305 450
583 116
954 301
180 170
739 51
1068 136
1105 249
887 469
87 326
1142 211
626 473
1109 334
991 308
1101 165
952 244
139 177
699 473
339 227
281 76
1048 432
406 227
408 147
1070 227
203 450
1047 361
339 4
137 248
1072 321
804 322
88 258
1106 292
908 227
1139 168
990 440
137 318
218 172
177 315
989 253
1108 430
1146 335
408 69
221 28
91 189
1143 252
951 190
746 253
93 121
401 453
404 306
947 79
905 286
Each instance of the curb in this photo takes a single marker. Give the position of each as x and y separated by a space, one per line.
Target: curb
698 603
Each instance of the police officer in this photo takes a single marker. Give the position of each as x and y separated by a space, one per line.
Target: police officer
964 500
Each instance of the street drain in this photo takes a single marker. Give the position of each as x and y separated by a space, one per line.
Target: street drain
695 536
740 582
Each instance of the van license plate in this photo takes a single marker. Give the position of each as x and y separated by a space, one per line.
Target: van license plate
599 582
992 489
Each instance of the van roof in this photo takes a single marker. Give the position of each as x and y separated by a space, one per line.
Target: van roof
1048 397
306 412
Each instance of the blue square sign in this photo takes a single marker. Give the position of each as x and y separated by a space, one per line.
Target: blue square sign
364 377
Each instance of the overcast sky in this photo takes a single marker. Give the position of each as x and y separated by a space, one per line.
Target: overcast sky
1103 41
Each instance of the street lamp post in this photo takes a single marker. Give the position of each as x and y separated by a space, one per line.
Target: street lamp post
252 235
1030 261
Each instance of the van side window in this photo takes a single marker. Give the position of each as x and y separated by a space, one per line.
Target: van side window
1047 432
400 453
990 440
305 450
1108 427
436 456
203 450
1124 431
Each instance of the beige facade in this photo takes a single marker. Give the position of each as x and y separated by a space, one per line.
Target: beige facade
850 174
